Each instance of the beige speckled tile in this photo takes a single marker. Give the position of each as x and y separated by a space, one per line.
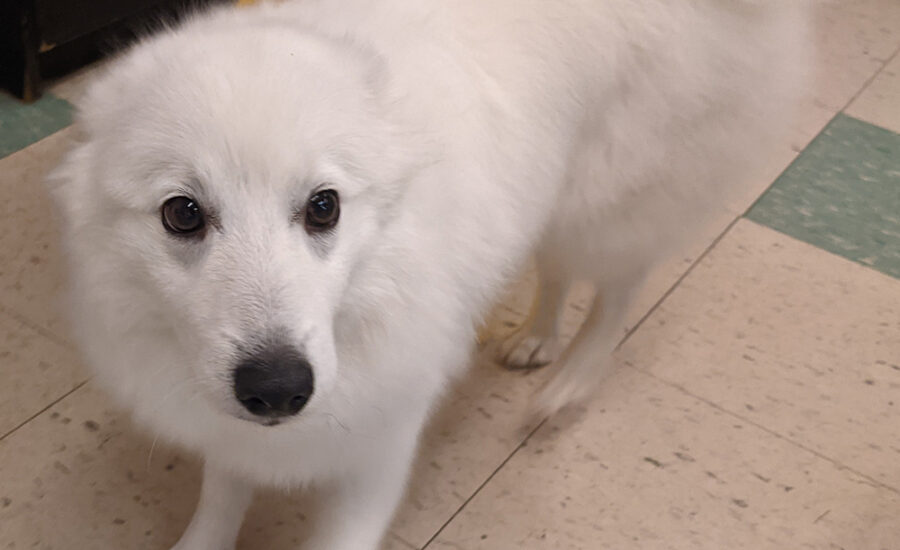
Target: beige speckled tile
879 104
648 466
856 38
790 337
78 477
36 371
81 477
30 262
480 423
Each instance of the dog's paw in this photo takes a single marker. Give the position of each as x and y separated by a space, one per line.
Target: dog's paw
556 395
573 384
530 352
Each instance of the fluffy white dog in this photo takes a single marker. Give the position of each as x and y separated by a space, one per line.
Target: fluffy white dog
284 223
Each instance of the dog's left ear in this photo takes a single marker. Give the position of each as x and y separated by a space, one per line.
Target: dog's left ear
72 183
398 147
69 182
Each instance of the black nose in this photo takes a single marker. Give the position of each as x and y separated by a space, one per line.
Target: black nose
273 382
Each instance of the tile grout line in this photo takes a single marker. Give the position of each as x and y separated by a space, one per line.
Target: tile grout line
871 79
677 283
819 454
819 133
484 483
42 411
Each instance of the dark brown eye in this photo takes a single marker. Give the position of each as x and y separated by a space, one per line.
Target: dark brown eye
182 216
322 211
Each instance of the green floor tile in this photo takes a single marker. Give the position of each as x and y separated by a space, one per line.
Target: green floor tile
23 124
842 194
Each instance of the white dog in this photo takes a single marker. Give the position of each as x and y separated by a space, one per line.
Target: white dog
284 223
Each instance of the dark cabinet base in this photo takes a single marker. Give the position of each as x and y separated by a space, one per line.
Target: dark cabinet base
41 39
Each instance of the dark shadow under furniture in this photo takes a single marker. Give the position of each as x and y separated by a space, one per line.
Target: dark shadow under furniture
41 39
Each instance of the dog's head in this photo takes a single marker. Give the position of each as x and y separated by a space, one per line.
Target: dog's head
229 184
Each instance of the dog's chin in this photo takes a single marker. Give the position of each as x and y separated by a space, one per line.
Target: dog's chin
264 421
234 411
245 417
238 414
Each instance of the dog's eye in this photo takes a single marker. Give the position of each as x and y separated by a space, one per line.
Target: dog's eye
322 211
182 216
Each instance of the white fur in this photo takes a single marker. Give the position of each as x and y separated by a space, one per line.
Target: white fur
462 137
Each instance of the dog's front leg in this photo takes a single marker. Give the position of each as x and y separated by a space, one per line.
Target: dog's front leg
358 510
224 499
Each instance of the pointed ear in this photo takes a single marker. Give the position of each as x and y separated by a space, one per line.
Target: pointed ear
69 184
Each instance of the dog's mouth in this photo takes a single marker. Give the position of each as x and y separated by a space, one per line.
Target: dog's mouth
260 421
266 421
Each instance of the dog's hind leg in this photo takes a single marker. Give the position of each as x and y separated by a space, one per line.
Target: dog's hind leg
587 359
536 343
